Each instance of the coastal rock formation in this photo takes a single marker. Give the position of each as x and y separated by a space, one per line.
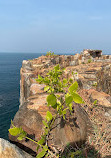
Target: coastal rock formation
84 64
93 74
31 114
8 150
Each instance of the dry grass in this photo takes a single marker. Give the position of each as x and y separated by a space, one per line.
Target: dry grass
100 138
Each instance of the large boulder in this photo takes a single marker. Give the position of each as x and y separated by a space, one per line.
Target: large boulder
8 150
30 116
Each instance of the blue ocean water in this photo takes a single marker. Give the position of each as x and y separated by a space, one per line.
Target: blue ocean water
10 64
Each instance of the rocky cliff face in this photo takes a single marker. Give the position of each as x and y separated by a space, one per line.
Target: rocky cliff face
91 73
85 68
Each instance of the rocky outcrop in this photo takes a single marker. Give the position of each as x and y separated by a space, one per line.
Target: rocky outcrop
90 73
84 64
30 117
8 150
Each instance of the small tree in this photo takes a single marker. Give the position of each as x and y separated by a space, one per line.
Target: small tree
50 53
61 93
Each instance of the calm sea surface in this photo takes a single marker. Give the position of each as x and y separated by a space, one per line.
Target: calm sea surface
10 64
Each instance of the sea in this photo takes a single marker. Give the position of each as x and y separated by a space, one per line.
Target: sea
10 64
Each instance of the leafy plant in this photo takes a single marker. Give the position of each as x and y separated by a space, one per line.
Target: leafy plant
61 94
95 103
50 53
89 60
94 84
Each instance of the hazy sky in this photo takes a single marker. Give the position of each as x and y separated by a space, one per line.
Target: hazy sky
57 25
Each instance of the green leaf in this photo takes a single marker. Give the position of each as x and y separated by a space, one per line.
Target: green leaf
40 79
45 124
70 106
70 80
60 84
15 131
41 141
64 112
47 155
51 99
46 81
58 96
49 116
54 106
58 105
38 148
73 87
46 88
77 98
56 67
95 102
46 131
41 154
64 81
64 117
22 136
68 100
45 147
60 112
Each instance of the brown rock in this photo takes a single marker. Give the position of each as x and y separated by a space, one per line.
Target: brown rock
102 98
8 150
104 79
31 114
36 88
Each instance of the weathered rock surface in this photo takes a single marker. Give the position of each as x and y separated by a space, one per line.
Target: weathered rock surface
102 98
104 79
8 150
31 114
96 71
93 74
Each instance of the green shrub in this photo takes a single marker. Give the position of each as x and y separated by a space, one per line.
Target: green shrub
61 103
50 53
89 60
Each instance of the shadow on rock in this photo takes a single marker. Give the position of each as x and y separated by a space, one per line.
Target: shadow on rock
80 152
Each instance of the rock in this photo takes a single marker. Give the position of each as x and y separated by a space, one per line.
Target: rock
24 85
74 63
102 98
31 114
27 65
8 150
89 76
76 56
36 88
104 79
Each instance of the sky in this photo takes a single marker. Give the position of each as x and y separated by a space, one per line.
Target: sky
62 26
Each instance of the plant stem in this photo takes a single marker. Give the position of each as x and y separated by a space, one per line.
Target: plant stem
41 146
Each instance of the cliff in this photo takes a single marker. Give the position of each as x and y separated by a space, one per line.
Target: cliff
93 74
